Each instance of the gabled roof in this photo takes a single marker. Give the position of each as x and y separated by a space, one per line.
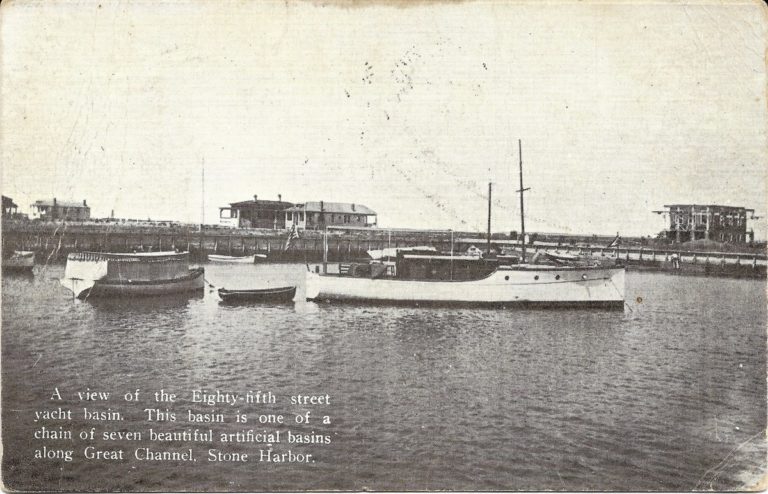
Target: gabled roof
8 203
260 205
64 204
333 207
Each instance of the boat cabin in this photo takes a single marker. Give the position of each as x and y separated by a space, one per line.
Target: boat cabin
442 267
134 267
428 266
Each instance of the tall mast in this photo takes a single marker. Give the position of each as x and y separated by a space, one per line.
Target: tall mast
488 246
202 208
521 191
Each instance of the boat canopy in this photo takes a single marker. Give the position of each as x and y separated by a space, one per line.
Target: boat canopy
141 266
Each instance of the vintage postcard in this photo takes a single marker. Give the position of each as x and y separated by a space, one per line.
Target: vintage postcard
386 245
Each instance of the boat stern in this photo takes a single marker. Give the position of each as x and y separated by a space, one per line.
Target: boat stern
312 285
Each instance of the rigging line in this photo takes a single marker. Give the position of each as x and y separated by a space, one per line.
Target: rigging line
473 189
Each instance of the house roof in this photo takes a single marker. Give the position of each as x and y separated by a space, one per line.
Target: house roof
65 204
333 207
261 205
8 203
713 206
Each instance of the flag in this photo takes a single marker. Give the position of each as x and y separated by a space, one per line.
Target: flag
615 242
294 234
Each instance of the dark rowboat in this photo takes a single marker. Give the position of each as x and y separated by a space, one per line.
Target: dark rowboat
281 294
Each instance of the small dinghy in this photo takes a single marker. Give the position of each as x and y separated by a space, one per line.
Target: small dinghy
282 294
239 260
20 261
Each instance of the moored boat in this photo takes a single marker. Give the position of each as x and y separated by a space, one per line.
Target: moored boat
97 274
526 285
472 279
276 295
19 260
232 259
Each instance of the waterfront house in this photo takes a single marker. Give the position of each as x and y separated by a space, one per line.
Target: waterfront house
10 208
51 210
316 215
708 222
256 213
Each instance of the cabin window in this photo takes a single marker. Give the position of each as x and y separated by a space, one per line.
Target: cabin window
557 277
536 277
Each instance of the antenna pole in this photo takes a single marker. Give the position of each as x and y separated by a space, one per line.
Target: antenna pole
488 246
522 206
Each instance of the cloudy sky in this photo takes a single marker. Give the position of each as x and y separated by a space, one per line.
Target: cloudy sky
622 107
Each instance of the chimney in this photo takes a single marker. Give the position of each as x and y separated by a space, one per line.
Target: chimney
322 206
279 197
255 198
353 206
85 203
54 201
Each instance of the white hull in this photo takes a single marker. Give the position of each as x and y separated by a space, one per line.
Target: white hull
231 259
525 285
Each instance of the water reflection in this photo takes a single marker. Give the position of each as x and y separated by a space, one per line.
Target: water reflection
424 398
127 306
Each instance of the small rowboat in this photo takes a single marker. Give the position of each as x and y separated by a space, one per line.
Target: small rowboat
237 260
20 260
281 294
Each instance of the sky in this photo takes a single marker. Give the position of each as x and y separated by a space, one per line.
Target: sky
621 108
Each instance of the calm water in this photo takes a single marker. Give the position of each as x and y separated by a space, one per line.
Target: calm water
670 395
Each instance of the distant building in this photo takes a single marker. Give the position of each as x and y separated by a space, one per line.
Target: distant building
708 222
317 215
49 210
10 208
255 214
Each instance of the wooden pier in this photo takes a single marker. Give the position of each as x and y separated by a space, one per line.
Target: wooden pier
54 241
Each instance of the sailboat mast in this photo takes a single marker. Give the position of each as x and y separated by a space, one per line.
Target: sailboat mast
202 208
522 206
488 245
